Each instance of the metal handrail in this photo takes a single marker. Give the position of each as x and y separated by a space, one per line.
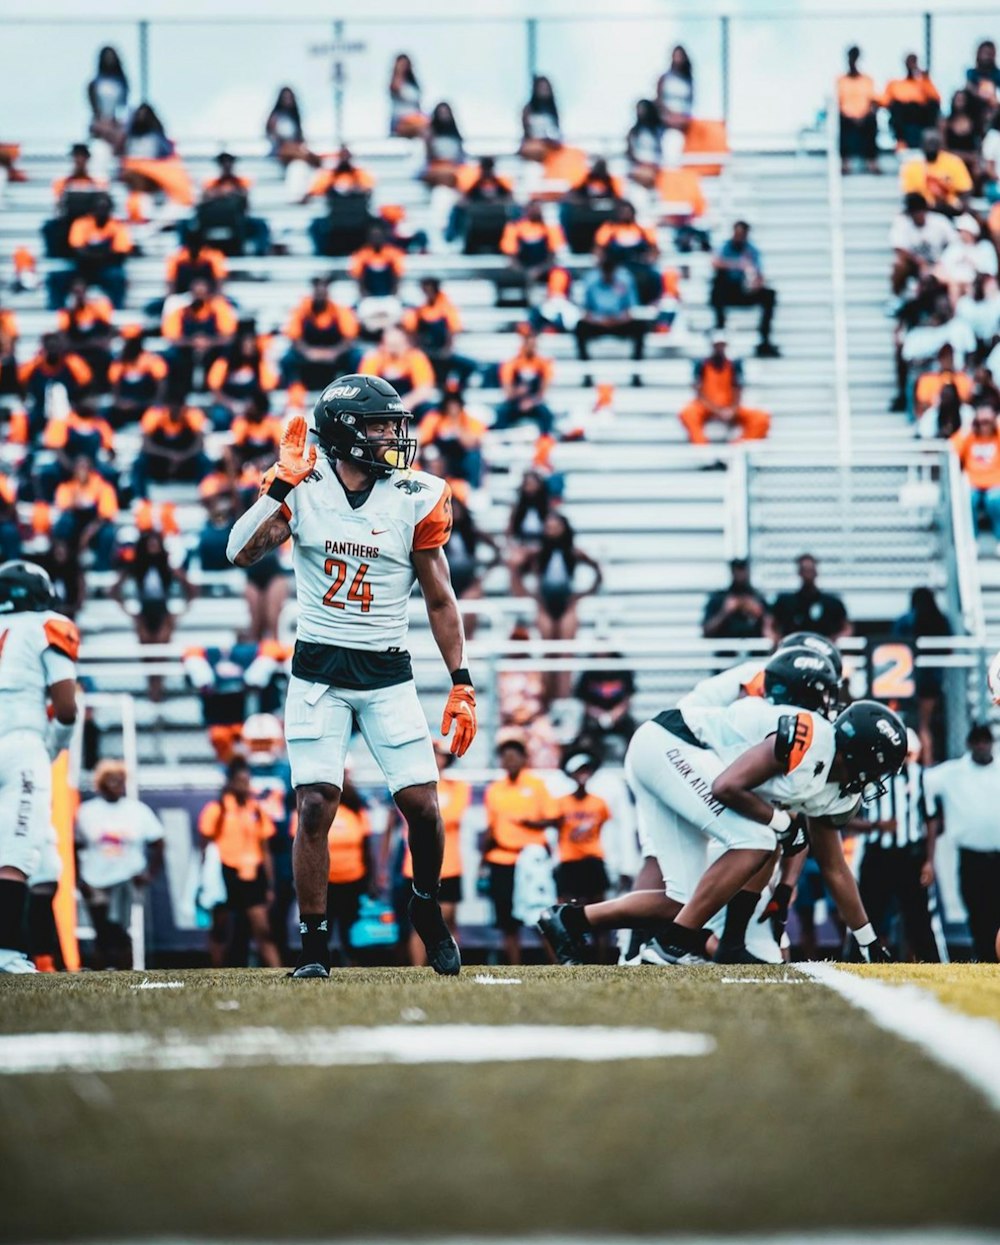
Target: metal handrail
838 287
963 551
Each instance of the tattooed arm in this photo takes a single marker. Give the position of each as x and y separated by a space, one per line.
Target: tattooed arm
262 528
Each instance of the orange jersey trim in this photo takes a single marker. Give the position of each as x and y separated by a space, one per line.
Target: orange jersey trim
63 635
434 528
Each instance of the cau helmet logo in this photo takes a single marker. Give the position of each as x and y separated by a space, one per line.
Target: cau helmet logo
885 727
341 391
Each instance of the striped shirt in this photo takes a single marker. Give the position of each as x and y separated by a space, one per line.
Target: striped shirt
903 803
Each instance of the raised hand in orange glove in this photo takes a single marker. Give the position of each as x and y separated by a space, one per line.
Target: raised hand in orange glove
460 709
295 461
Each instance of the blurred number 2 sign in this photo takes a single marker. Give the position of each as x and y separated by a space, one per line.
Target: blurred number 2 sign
892 671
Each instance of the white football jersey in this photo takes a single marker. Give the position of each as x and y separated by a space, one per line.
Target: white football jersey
725 688
36 650
806 738
353 568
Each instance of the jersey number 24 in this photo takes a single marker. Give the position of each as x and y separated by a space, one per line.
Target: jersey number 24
360 590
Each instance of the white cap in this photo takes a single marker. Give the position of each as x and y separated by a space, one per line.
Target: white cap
966 223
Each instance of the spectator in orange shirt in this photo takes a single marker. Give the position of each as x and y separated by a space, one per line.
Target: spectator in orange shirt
408 370
624 241
193 261
407 120
10 528
86 508
199 330
256 435
531 245
241 830
432 327
232 191
718 390
930 384
525 380
940 177
343 178
138 379
173 446
858 102
581 875
540 121
598 184
88 330
82 433
9 334
99 246
377 267
353 871
53 365
458 435
519 809
914 104
978 453
238 379
322 335
71 194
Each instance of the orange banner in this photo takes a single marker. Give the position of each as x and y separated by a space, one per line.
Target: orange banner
65 801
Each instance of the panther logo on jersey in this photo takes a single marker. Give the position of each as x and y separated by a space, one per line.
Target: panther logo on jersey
411 485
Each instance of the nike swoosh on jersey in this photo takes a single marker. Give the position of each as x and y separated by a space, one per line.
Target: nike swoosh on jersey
381 532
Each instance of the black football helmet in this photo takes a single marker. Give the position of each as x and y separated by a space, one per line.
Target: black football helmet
871 743
801 677
819 644
24 588
339 420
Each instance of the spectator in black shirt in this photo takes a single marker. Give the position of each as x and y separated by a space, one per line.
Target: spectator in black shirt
809 609
738 612
606 696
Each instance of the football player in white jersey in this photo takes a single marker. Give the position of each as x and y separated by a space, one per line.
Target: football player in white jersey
737 775
38 652
364 526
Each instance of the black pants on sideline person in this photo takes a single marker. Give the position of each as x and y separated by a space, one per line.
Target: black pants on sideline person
890 876
727 293
858 137
979 882
632 330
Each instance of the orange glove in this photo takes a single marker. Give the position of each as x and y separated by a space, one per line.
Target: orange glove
295 460
460 709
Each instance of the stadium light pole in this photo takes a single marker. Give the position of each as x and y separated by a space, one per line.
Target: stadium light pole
338 49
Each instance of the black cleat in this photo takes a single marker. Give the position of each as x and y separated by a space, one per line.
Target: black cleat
306 971
567 948
442 950
735 955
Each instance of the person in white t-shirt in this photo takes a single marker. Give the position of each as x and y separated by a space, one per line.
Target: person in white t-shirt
966 791
966 258
119 846
980 309
918 238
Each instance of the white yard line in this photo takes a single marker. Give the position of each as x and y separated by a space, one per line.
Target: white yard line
159 985
968 1045
26 1053
483 979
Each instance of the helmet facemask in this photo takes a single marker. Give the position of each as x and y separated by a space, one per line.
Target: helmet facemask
356 446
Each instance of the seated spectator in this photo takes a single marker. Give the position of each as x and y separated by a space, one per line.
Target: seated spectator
675 98
238 380
72 194
606 697
644 144
738 612
229 191
200 329
531 246
918 238
682 204
322 334
432 327
924 341
608 302
283 130
624 241
173 446
344 177
10 528
79 179
107 94
445 150
939 176
86 325
914 104
978 453
52 369
858 103
406 117
808 608
949 416
195 261
598 184
718 387
983 79
739 282
62 561
86 508
554 568
462 552
481 183
525 380
147 570
138 379
256 434
458 436
408 370
960 133
540 121
221 511
965 258
930 384
229 681
81 434
150 164
378 269
532 505
227 181
99 246
9 334
980 310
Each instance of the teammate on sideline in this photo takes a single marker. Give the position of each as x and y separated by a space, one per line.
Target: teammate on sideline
38 652
736 775
364 526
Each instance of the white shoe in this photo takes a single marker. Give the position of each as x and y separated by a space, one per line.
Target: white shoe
656 952
15 962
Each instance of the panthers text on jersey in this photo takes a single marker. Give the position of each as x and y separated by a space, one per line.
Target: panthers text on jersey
36 651
353 568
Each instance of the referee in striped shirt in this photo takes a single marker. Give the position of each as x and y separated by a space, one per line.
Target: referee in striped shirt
897 868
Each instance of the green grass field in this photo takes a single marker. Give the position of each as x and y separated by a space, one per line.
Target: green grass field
803 1116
